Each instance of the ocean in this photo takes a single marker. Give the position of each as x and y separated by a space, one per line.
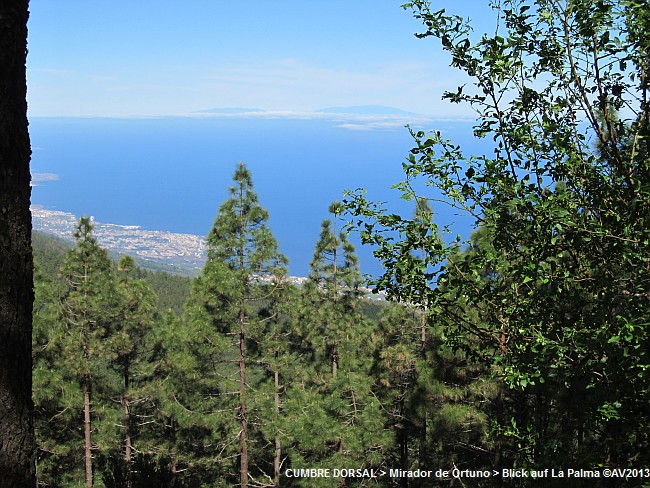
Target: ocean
172 173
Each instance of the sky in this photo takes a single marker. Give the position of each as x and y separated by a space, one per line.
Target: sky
120 58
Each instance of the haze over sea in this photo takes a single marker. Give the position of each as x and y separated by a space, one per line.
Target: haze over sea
172 173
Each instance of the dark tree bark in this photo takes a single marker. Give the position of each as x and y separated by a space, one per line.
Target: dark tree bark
277 458
243 414
17 444
88 453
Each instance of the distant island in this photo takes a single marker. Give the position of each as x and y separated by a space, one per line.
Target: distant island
377 110
365 110
228 110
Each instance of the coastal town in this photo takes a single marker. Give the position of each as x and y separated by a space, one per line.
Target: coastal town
184 250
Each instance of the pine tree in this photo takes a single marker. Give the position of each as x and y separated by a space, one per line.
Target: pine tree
87 310
333 289
137 376
131 348
435 399
397 373
244 271
191 389
332 412
278 369
56 395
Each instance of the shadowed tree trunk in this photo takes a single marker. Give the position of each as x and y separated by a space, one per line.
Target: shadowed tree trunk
17 445
88 457
243 415
278 446
243 436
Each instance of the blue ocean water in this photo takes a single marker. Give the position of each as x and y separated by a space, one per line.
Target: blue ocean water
173 173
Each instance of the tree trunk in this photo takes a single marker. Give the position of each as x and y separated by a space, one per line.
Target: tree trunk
423 355
126 409
243 435
87 443
403 436
423 332
128 448
17 444
278 446
335 297
499 408
172 452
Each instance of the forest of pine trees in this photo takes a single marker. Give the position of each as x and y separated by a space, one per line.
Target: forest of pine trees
252 376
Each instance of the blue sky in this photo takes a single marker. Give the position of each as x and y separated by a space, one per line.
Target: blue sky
163 57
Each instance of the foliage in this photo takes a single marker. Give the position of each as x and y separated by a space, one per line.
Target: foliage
562 289
48 252
333 414
92 354
172 290
435 398
56 397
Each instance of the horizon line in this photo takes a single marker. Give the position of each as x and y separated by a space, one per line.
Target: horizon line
252 113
